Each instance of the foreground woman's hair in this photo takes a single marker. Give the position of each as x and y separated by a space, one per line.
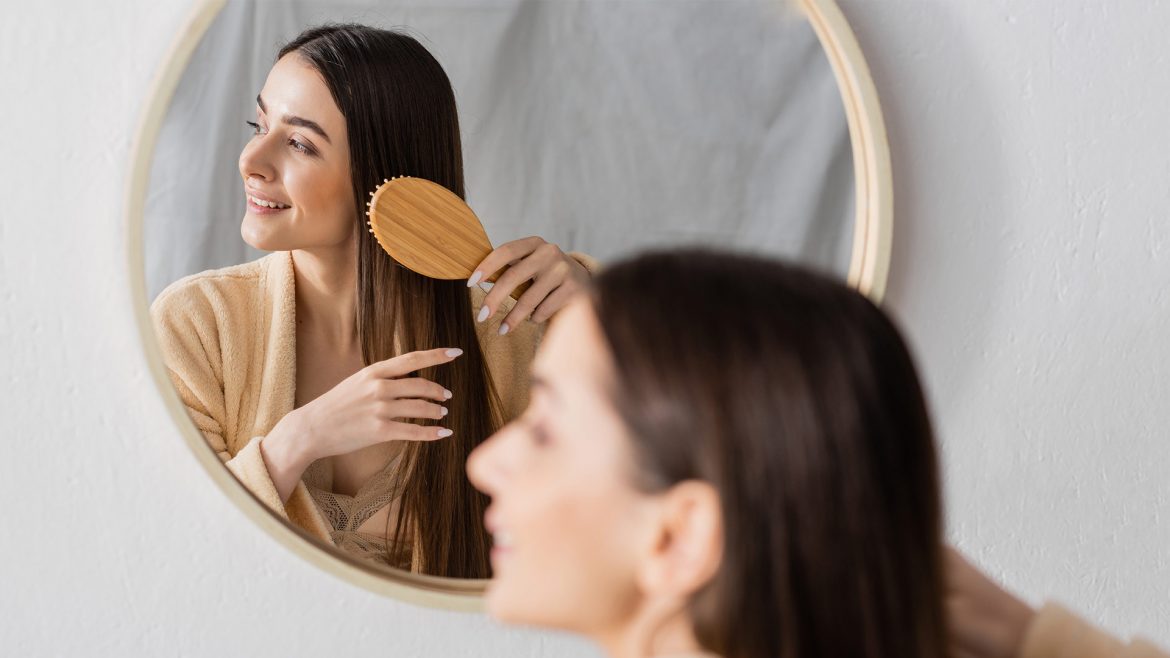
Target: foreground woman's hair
797 399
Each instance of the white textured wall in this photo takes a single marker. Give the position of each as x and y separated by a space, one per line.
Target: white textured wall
1031 269
1030 258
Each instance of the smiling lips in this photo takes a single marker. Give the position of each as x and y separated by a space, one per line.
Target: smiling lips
264 205
502 539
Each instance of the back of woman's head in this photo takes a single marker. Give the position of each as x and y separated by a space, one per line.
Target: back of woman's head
798 400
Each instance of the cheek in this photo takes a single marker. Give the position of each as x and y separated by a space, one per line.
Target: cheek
572 562
320 194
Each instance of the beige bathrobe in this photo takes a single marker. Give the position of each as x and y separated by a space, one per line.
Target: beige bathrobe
229 341
1057 633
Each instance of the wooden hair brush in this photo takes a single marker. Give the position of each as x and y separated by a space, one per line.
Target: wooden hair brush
429 229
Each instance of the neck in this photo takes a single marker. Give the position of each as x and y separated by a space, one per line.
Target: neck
654 631
326 289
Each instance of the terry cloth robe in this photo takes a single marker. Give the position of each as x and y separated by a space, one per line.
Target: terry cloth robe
228 338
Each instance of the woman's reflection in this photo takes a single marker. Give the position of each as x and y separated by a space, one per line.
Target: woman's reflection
309 370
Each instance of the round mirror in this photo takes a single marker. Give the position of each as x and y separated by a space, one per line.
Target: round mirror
604 128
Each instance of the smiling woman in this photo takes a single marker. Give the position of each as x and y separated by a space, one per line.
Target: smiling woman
341 390
313 182
257 202
317 373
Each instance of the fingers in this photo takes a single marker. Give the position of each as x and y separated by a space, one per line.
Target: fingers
404 364
398 431
408 409
412 387
540 264
528 302
559 299
548 267
500 257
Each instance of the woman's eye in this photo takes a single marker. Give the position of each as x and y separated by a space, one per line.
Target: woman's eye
539 436
299 146
255 127
533 424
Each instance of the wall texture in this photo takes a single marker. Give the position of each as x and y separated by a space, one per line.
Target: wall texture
1029 270
1031 267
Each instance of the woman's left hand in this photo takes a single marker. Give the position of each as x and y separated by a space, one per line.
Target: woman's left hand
555 277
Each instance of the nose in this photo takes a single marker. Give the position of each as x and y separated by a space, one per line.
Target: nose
256 161
485 468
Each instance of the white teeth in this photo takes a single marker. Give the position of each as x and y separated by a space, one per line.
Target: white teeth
266 204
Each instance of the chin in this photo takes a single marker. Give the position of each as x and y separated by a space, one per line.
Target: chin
257 238
523 606
505 604
495 601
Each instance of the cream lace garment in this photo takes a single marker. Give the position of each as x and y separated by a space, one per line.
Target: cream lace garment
346 514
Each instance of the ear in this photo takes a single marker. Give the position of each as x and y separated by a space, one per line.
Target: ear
688 547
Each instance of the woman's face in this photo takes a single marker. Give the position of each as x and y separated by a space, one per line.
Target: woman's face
569 527
298 161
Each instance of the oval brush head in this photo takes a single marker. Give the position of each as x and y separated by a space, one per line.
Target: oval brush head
429 229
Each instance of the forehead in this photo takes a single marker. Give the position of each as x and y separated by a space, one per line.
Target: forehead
294 87
573 356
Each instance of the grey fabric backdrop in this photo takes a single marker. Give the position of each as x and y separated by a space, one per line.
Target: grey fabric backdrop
605 126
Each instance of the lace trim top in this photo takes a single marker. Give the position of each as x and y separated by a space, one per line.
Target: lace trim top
346 514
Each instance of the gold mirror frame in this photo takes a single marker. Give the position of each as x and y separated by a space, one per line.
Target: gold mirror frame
868 270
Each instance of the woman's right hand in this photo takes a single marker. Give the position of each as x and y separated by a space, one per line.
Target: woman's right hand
368 407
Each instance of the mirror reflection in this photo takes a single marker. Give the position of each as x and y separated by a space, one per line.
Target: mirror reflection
346 391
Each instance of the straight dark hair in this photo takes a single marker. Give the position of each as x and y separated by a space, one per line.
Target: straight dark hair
798 400
401 118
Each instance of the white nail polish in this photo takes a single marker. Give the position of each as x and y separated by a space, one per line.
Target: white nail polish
444 411
474 279
454 352
444 433
503 328
483 313
447 394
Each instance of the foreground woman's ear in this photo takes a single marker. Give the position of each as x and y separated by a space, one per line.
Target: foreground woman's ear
687 546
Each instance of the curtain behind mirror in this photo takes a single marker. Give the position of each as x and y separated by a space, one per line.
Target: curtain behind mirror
605 127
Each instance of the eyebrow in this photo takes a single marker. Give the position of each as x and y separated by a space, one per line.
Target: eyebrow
297 121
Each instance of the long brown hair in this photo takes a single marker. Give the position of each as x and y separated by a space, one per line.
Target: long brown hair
401 117
798 400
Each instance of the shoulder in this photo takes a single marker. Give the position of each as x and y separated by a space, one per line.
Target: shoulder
231 288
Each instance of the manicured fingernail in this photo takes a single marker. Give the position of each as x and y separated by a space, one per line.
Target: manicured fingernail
474 279
454 352
444 433
444 410
503 328
447 394
483 314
